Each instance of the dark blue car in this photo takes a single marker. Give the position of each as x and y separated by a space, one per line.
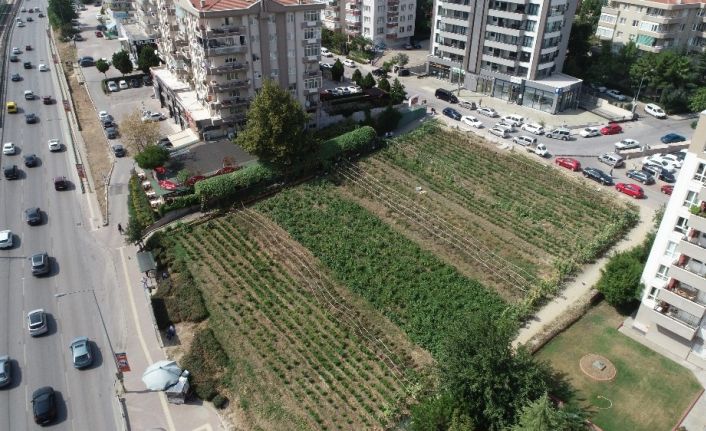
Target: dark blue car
452 113
671 138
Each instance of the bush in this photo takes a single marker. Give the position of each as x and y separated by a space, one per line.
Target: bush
180 202
219 401
620 278
206 361
225 186
140 213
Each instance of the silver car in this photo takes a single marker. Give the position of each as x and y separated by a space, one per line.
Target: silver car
37 322
81 355
5 371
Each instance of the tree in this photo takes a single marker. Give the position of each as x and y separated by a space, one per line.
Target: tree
397 93
368 81
122 62
577 59
422 21
60 12
401 59
697 102
275 129
337 70
152 156
541 415
433 413
102 66
388 120
387 66
147 58
620 279
384 84
136 134
357 77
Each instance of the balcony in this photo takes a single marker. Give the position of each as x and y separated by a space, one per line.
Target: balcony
673 319
312 41
225 49
698 221
515 30
517 15
312 74
392 24
224 68
222 31
219 87
311 59
663 19
693 246
229 102
684 297
309 24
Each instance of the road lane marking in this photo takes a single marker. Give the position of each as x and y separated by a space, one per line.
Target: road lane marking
140 336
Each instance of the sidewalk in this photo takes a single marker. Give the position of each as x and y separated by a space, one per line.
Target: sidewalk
583 282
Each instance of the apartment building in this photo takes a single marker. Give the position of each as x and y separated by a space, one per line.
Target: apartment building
671 313
218 53
513 50
655 25
385 22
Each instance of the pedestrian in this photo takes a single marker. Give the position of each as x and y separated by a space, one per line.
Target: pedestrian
611 171
171 332
120 228
480 102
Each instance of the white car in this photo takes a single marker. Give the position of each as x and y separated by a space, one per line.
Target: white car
471 121
354 89
672 158
350 63
513 120
43 67
5 239
15 50
20 24
37 322
323 65
627 144
113 87
54 145
659 160
655 111
508 128
123 84
99 16
533 128
617 95
153 116
499 131
102 115
326 53
490 112
9 149
589 132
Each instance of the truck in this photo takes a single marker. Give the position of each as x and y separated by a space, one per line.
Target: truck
538 149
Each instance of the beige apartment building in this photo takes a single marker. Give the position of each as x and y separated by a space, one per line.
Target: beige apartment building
388 22
655 25
673 305
218 53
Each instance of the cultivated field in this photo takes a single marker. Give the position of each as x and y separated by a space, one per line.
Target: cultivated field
304 354
501 218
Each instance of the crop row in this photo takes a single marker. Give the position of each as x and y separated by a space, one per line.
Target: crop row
411 286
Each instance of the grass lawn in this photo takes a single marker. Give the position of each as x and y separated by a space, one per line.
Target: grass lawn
650 392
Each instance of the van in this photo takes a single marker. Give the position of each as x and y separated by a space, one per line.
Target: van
655 111
524 140
514 120
611 159
559 133
446 95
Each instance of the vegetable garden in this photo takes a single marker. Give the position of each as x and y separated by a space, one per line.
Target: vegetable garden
303 352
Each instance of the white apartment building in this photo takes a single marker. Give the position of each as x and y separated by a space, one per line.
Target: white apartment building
513 50
219 52
671 313
385 22
655 25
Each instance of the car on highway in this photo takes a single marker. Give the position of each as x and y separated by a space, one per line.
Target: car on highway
47 100
20 24
629 189
499 131
660 173
37 322
31 118
61 183
44 405
627 144
471 121
14 58
640 176
111 132
655 111
29 95
31 160
9 149
33 216
41 15
27 64
113 87
16 50
671 138
589 132
118 150
54 145
598 176
568 163
348 62
16 77
6 239
488 112
81 354
40 263
30 19
666 189
5 371
11 107
452 113
533 128
11 172
559 133
617 95
611 129
43 67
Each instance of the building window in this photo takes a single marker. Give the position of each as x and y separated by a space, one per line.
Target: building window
410 17
291 53
635 22
311 15
652 294
381 30
607 18
622 20
366 19
290 17
312 84
682 225
662 272
292 69
532 9
366 8
231 76
310 33
402 19
618 34
409 28
366 31
692 198
403 7
381 9
700 174
311 50
274 73
671 249
290 36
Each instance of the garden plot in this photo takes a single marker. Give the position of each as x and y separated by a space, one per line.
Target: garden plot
304 353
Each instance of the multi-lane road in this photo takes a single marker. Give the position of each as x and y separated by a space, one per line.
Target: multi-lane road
80 267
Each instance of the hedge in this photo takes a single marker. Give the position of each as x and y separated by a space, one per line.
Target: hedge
223 186
180 202
207 362
140 211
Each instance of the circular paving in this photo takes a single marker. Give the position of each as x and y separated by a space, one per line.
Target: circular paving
598 367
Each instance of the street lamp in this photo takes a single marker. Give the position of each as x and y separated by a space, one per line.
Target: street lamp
634 100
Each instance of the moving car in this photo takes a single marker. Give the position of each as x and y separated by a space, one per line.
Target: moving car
29 95
11 172
9 149
666 189
16 77
499 131
489 112
5 371
15 50
590 132
471 121
452 113
31 118
47 100
61 183
54 145
31 160
640 176
671 138
44 405
568 163
33 216
444 94
14 58
6 239
37 322
559 133
40 263
11 107
631 190
81 355
617 95
350 63
655 111
43 67
27 64
533 128
598 176
611 129
627 144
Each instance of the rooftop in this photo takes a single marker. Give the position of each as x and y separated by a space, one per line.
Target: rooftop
221 5
557 80
183 91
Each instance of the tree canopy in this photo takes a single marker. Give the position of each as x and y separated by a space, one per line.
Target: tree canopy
397 93
137 134
151 157
102 66
60 12
275 129
122 62
384 84
337 70
541 415
357 77
147 58
368 81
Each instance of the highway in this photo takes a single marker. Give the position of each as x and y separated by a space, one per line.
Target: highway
80 267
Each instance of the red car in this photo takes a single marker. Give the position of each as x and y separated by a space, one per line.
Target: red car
611 129
99 34
568 163
667 189
631 190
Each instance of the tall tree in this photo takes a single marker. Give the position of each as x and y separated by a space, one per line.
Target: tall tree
137 134
357 77
368 81
401 59
422 20
275 129
147 58
151 157
397 93
541 415
122 62
60 12
337 70
697 102
384 84
102 66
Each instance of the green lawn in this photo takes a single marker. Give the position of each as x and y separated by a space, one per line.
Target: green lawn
650 392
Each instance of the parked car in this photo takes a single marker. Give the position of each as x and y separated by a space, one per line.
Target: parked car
533 128
660 173
15 50
6 239
629 189
379 72
617 95
107 123
467 105
158 116
326 53
671 138
655 111
452 113
123 84
44 405
14 58
568 163
499 131
350 63
513 120
559 133
111 133
598 176
524 140
508 128
37 322
489 112
471 121
86 61
627 144
611 129
118 150
324 66
659 160
640 176
676 159
112 86
403 72
99 33
444 94
666 189
81 352
135 83
611 159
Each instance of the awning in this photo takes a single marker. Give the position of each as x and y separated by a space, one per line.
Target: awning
183 139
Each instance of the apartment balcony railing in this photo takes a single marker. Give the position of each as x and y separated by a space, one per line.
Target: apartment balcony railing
225 49
237 117
225 30
311 59
229 102
224 68
309 24
391 36
675 320
684 297
218 87
312 74
312 41
458 2
392 24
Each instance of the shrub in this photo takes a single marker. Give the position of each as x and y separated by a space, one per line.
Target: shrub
224 186
219 401
180 202
206 361
140 213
